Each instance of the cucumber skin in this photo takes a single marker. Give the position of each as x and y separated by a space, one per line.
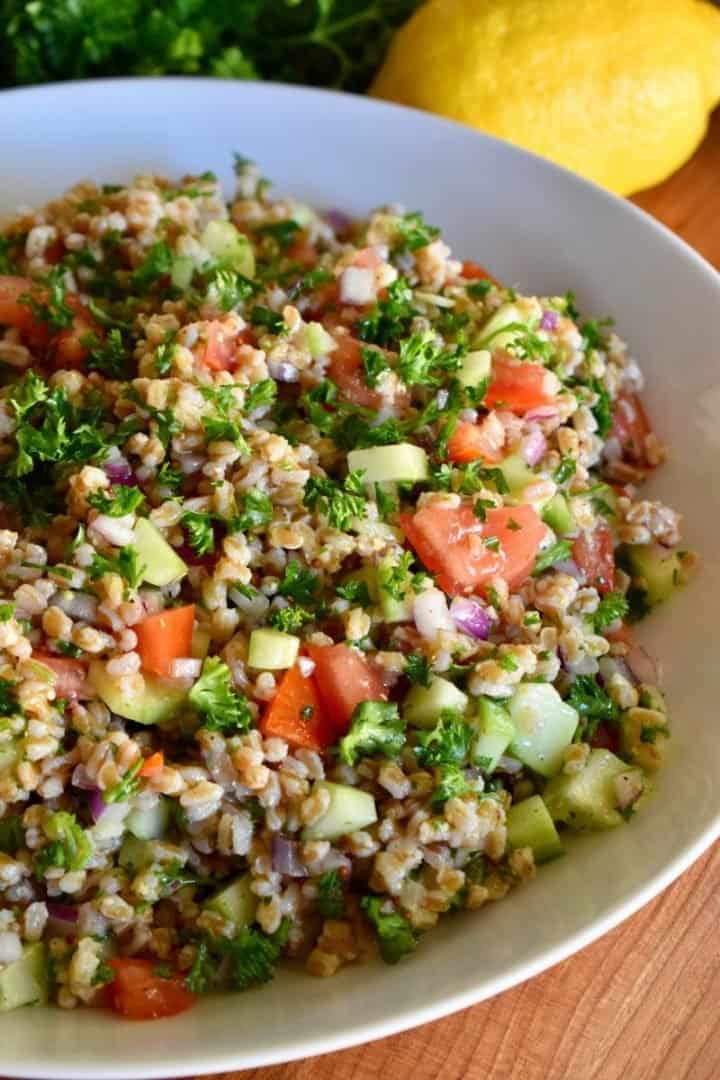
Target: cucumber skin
495 731
24 982
586 800
558 515
236 902
350 809
529 824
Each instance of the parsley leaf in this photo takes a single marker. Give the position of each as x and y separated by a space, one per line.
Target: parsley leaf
201 535
396 937
156 264
222 707
550 555
257 511
389 319
356 591
417 669
612 606
12 835
451 782
447 743
74 846
252 955
339 504
330 899
290 619
263 316
260 394
602 409
126 563
299 583
374 365
414 232
122 500
376 728
591 702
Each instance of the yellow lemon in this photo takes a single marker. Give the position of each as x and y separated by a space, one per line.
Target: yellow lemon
618 90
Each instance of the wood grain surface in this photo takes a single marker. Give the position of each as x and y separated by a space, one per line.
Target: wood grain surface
643 1003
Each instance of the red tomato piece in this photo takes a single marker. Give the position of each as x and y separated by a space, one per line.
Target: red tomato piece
165 637
453 544
346 371
15 313
153 765
472 271
296 714
70 675
519 387
474 442
631 426
302 251
217 350
67 348
140 995
344 678
606 738
594 554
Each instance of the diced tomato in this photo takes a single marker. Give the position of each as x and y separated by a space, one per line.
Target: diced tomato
519 387
472 271
217 347
67 348
153 765
453 544
474 442
302 251
165 637
296 714
367 258
606 738
70 675
631 426
344 678
594 554
346 371
141 995
15 313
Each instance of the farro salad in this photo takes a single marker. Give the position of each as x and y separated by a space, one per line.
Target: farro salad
319 554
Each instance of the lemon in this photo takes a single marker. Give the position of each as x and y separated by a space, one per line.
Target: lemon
617 90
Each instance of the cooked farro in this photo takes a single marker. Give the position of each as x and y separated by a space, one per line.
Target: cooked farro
318 559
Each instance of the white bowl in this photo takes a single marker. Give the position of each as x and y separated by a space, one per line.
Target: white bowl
544 230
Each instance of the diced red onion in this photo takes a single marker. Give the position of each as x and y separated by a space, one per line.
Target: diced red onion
471 617
82 780
570 567
549 320
191 557
97 804
431 614
283 372
339 221
64 919
510 764
542 412
642 666
533 447
119 472
286 858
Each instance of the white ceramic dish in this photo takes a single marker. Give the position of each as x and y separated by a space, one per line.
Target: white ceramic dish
544 230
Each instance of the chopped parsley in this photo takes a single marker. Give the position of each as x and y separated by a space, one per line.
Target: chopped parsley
126 563
613 606
290 619
591 702
376 728
338 503
299 583
450 783
221 706
389 320
260 394
12 835
396 937
121 500
257 510
374 366
447 743
200 532
270 320
414 233
550 555
602 409
157 264
355 590
330 899
417 669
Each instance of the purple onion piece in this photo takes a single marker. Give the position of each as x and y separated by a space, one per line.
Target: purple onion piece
97 804
191 557
471 617
570 567
119 472
534 447
337 220
549 320
286 858
63 919
542 412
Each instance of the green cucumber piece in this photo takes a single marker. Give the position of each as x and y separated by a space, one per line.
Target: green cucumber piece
24 982
544 727
135 854
399 462
200 646
149 824
157 701
558 515
659 569
162 565
495 731
393 610
229 247
493 335
474 367
272 650
236 902
181 271
350 809
317 340
9 755
423 704
588 799
529 824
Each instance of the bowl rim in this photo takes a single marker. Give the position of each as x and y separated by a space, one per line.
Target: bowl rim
401 1019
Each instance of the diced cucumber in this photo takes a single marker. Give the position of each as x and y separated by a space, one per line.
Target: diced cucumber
200 643
399 462
588 799
149 824
644 734
659 569
517 474
230 248
423 704
162 565
369 575
9 755
494 336
236 902
530 825
317 340
495 731
394 610
272 650
350 809
544 726
558 515
181 271
158 699
24 982
135 854
474 367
